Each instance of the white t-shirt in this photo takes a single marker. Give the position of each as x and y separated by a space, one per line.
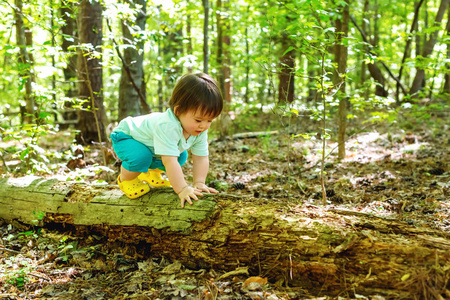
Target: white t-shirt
163 134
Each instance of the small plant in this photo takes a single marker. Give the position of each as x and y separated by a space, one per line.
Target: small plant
219 185
39 215
66 248
33 158
34 233
19 277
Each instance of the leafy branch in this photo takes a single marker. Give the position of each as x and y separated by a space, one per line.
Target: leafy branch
128 71
91 92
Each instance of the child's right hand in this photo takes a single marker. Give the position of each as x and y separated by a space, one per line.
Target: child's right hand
187 193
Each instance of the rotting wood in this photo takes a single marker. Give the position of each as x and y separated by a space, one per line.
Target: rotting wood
309 247
81 204
248 135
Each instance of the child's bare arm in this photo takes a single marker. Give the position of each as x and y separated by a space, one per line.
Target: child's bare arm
174 172
176 178
201 166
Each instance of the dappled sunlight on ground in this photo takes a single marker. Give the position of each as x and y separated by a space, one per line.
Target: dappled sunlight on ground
393 175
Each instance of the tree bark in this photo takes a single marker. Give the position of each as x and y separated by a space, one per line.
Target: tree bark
376 35
374 71
408 45
446 87
69 31
226 68
90 74
161 94
312 89
286 75
341 54
175 50
428 48
247 58
25 62
189 34
130 94
306 246
223 45
418 39
220 75
363 63
223 64
205 36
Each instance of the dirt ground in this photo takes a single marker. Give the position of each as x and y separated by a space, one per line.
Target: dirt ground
403 174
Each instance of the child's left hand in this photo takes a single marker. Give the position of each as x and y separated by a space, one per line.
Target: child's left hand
204 188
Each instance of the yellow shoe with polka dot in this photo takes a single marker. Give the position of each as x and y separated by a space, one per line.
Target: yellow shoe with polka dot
153 177
133 188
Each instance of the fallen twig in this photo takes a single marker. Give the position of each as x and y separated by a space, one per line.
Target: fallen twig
9 250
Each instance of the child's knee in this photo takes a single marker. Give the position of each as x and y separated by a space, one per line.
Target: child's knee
182 158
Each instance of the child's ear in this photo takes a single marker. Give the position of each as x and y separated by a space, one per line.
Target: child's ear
175 110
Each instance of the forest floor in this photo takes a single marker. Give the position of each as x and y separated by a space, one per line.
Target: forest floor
399 173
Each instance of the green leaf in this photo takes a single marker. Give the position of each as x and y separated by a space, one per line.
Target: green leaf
295 111
44 115
289 50
40 214
24 153
431 29
27 233
68 38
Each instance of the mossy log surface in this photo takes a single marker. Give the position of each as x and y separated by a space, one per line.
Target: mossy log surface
302 246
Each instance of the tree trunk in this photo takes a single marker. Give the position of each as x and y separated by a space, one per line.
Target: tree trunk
428 48
418 40
189 35
286 75
363 63
340 56
25 62
408 45
446 87
223 64
53 61
377 75
90 74
321 249
220 75
175 50
69 31
161 80
205 36
129 93
425 25
247 62
223 53
226 69
374 71
312 72
376 36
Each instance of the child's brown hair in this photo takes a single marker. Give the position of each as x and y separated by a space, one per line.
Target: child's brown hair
197 91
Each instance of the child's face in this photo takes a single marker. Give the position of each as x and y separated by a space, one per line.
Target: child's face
195 122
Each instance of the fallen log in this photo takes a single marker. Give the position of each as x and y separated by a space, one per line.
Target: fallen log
325 250
248 135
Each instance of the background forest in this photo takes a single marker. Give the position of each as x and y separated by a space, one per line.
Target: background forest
63 60
331 155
